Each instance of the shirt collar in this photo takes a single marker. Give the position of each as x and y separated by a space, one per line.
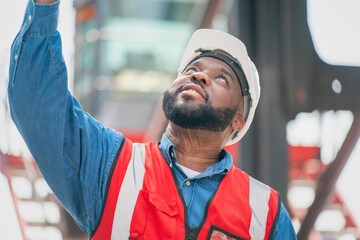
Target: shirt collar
221 167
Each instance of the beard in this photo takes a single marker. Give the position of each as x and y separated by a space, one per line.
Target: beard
196 116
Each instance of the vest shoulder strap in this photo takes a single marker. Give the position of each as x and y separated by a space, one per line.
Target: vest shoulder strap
264 206
124 183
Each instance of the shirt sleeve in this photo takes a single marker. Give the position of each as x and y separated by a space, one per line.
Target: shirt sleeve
73 151
284 228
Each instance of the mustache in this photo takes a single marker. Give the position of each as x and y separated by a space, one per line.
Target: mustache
178 90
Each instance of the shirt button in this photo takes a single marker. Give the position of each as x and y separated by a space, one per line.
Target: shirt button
16 57
29 17
170 165
172 154
187 182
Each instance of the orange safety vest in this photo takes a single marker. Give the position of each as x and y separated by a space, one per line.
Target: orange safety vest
144 201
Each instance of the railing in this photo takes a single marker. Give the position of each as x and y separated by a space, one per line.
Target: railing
36 213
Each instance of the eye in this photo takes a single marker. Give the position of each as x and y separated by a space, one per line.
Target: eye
190 70
222 78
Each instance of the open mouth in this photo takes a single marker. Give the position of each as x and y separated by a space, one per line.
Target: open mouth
194 89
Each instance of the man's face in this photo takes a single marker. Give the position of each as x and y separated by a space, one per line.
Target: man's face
205 96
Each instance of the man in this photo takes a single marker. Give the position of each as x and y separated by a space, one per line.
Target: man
184 187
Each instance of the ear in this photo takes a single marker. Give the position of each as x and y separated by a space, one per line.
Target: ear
238 122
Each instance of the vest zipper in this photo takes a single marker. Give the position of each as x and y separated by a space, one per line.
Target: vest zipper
191 233
198 229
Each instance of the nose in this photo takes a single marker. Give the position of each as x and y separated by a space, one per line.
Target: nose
200 77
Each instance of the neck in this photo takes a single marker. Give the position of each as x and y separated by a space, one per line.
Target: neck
196 149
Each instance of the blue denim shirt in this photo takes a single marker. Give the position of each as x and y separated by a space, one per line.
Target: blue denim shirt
73 151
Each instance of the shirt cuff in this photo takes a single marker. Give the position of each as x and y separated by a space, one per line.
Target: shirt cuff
41 19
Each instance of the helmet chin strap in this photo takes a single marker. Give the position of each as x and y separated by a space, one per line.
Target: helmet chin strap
233 134
247 105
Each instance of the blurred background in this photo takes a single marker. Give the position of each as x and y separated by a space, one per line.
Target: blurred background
122 54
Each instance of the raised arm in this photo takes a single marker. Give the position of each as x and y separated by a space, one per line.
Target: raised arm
45 1
73 151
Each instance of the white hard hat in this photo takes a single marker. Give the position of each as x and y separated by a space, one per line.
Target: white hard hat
221 45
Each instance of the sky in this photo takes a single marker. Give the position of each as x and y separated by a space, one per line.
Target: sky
336 35
335 29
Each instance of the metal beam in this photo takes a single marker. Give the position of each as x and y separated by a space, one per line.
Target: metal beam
327 181
264 148
210 13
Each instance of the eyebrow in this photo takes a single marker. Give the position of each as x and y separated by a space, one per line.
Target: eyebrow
197 63
223 70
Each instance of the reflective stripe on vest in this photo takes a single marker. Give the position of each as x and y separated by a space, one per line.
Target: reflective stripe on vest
258 199
132 184
121 216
